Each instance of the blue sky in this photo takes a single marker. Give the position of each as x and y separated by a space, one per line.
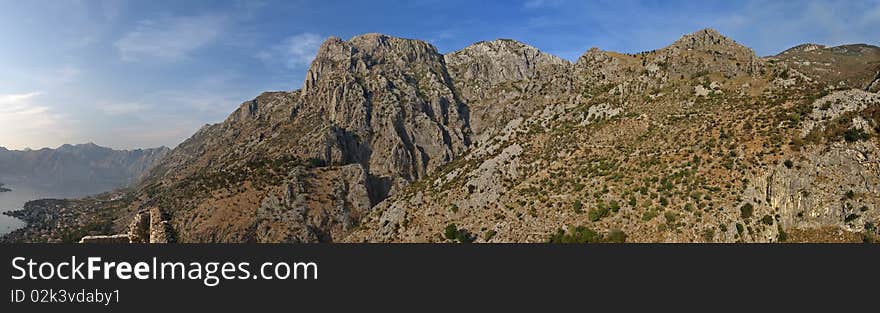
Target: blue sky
130 74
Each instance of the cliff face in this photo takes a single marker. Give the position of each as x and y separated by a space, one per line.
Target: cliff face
392 104
390 141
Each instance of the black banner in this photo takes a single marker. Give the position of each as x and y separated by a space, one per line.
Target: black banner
421 277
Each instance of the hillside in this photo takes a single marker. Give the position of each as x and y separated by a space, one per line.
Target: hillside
390 141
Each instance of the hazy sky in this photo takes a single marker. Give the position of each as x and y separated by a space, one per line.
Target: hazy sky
148 73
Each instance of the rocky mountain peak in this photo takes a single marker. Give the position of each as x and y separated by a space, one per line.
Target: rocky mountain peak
499 61
705 39
707 51
807 47
495 77
361 53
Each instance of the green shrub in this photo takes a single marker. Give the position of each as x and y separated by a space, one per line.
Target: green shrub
851 217
616 236
671 217
853 135
598 213
580 234
788 163
783 236
615 206
578 206
489 234
650 214
315 162
794 118
767 220
746 210
452 233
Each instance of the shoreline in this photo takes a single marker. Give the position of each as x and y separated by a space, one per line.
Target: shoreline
40 217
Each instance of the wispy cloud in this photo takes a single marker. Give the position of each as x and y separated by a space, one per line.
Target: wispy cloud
122 108
293 52
170 37
20 111
25 122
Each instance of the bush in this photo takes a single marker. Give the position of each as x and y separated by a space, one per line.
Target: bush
853 135
615 206
489 234
850 194
851 217
788 163
315 162
451 232
783 236
650 214
671 217
767 220
616 236
746 210
578 207
580 234
598 213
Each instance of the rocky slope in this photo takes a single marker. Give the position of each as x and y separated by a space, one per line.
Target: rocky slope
390 141
87 167
700 141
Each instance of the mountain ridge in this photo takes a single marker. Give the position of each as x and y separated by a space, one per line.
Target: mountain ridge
88 166
390 141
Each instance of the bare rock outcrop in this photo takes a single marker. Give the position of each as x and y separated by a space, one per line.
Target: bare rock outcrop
394 99
504 79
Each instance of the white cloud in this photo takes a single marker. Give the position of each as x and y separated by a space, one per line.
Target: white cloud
293 52
170 38
19 111
27 123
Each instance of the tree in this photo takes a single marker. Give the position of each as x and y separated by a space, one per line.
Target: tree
746 210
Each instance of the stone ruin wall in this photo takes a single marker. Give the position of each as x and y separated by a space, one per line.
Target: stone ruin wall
147 226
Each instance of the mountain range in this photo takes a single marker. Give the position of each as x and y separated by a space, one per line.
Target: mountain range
390 141
84 168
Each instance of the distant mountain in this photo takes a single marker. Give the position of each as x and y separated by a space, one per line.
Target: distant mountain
85 168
